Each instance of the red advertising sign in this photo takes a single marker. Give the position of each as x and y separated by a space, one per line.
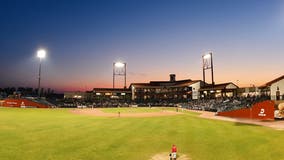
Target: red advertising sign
22 103
262 110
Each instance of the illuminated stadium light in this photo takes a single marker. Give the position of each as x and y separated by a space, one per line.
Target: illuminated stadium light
207 56
119 69
207 63
119 64
41 53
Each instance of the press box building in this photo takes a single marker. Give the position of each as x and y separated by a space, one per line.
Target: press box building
168 91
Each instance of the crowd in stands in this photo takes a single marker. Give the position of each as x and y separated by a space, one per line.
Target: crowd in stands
213 105
224 104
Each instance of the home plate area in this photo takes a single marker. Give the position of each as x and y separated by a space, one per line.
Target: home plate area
165 156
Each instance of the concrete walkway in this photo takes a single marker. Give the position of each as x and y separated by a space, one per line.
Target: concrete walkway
276 124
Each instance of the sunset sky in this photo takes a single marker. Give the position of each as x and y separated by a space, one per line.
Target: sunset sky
154 37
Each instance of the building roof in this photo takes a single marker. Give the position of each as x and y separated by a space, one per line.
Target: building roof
274 81
218 86
179 83
111 90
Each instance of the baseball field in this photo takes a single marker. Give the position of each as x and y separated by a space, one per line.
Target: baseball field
65 134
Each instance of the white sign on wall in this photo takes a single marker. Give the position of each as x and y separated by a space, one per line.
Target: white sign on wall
262 113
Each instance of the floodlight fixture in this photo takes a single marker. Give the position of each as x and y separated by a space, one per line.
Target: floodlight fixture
207 63
41 53
119 64
207 56
119 69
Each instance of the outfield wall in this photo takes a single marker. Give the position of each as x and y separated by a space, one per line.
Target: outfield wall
22 103
262 110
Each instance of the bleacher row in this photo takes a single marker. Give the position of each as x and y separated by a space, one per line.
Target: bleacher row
224 104
212 105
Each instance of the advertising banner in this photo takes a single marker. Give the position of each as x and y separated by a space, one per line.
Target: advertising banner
23 103
262 110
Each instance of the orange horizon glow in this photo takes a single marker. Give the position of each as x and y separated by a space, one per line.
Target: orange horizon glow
119 84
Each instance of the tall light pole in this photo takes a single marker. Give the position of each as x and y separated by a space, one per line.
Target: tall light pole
40 54
119 69
207 60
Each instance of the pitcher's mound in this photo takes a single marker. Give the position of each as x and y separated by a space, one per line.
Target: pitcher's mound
165 156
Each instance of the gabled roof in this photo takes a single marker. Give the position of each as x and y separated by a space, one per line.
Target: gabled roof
179 83
273 81
217 86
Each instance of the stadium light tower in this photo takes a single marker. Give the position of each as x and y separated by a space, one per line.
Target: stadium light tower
41 53
119 69
207 60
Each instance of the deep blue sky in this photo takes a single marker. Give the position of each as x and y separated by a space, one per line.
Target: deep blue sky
154 38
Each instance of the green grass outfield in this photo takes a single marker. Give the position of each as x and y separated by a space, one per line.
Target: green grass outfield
40 134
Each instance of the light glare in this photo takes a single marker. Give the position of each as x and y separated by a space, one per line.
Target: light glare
207 56
119 64
41 53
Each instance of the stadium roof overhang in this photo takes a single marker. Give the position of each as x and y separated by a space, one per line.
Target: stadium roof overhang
223 86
